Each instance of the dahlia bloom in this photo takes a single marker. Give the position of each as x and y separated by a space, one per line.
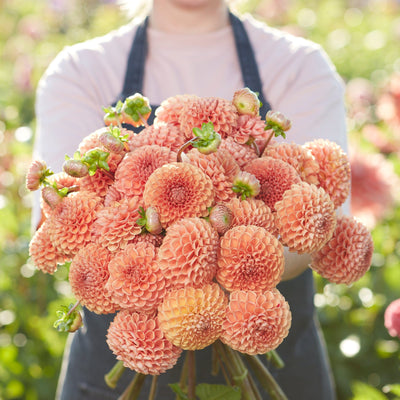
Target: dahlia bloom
275 177
249 127
188 254
42 252
136 282
97 183
136 167
252 212
221 218
71 221
250 258
392 318
161 134
36 174
334 174
201 110
138 341
220 167
298 157
256 322
88 275
305 218
246 102
178 190
191 318
242 153
116 224
171 109
347 256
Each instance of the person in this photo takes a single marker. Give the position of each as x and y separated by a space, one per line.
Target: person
193 47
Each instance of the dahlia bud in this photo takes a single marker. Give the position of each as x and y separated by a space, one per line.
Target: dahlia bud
221 218
135 110
153 224
69 319
246 102
276 121
37 174
75 168
246 184
206 139
111 142
51 196
112 115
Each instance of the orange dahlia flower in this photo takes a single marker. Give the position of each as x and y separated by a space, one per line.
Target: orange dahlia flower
275 177
188 254
242 153
88 275
136 281
220 167
250 258
162 134
116 224
334 174
256 322
178 190
71 222
42 252
138 165
197 111
249 127
252 212
171 109
305 218
137 340
191 318
347 256
298 157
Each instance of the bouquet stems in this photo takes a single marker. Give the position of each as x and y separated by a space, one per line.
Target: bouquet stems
114 375
133 390
275 359
153 387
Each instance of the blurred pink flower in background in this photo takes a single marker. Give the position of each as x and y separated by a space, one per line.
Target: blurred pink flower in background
392 318
360 97
388 104
374 186
380 139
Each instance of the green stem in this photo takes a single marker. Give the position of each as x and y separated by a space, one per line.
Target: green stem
269 139
191 375
133 390
74 307
275 359
113 376
265 378
184 374
153 387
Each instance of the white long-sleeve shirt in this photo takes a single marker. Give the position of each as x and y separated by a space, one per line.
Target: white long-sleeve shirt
297 76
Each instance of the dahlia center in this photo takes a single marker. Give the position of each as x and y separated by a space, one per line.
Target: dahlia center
201 324
178 194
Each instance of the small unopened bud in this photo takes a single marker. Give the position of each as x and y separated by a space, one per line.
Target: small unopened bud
221 218
51 196
111 143
276 118
246 184
36 174
76 322
135 110
75 168
246 102
153 224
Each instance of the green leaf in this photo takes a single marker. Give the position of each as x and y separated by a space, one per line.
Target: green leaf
178 391
363 391
395 389
207 391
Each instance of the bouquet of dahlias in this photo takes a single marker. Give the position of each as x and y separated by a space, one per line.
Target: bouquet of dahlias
180 230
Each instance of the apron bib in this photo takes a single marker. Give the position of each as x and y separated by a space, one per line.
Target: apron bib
306 375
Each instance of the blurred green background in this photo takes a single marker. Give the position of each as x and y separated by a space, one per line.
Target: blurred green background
362 38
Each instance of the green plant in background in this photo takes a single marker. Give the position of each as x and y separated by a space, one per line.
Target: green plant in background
361 37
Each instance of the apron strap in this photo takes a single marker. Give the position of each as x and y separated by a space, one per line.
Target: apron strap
248 64
134 75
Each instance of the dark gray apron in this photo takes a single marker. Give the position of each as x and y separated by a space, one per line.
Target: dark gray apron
306 375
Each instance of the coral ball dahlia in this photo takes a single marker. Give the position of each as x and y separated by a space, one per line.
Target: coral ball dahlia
136 282
188 254
178 190
191 318
347 256
250 258
88 276
256 322
275 177
305 218
138 341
